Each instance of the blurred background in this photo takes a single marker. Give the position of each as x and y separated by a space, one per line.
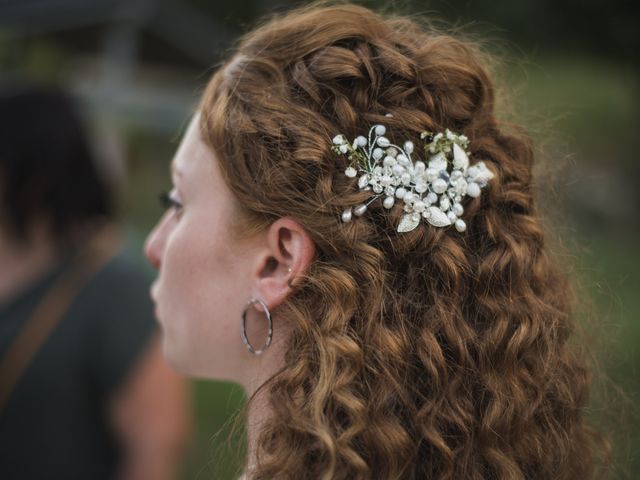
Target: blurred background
569 71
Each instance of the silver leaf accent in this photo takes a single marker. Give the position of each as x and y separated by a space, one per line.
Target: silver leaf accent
363 181
460 158
438 218
483 174
438 162
408 222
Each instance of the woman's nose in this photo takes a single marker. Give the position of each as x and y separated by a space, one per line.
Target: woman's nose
154 244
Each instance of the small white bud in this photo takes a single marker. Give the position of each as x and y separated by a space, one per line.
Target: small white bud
439 185
383 142
359 210
400 193
402 159
408 147
421 187
473 189
460 225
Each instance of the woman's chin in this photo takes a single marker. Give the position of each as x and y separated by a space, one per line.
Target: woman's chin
172 356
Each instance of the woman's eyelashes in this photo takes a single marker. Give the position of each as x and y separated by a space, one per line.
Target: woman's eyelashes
168 201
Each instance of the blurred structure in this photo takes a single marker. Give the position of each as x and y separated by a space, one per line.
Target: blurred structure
123 49
84 389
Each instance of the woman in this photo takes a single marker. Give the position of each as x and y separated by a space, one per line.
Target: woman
381 329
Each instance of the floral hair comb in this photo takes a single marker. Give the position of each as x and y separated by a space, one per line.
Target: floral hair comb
431 191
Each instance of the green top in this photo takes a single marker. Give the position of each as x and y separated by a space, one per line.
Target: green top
55 425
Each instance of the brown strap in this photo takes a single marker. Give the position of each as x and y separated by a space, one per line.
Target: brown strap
101 248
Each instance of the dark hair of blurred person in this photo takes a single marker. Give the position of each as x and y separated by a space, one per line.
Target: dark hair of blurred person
47 166
84 390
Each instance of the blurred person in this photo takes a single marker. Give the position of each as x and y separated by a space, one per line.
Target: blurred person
388 300
84 390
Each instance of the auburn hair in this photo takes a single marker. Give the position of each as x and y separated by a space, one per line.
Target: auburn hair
431 354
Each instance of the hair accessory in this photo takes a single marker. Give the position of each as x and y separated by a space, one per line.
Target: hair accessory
432 191
243 326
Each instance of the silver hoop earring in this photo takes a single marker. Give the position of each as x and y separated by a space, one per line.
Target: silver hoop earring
243 329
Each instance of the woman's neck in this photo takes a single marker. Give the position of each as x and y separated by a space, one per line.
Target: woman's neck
260 410
259 371
256 417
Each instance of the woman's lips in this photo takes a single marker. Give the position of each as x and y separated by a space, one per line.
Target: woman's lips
154 298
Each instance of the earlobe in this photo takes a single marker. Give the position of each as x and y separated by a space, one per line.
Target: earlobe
288 254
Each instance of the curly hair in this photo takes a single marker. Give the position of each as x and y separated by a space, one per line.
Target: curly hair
430 354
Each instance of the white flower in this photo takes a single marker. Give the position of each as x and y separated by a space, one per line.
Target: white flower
350 172
389 161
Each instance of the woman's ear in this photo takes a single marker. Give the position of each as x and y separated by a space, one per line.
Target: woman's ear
288 254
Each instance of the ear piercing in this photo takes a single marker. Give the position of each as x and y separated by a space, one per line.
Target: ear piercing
267 313
243 326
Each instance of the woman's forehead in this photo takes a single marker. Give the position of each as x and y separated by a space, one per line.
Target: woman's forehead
192 152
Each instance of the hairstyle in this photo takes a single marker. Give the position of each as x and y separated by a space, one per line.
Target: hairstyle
46 166
429 354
